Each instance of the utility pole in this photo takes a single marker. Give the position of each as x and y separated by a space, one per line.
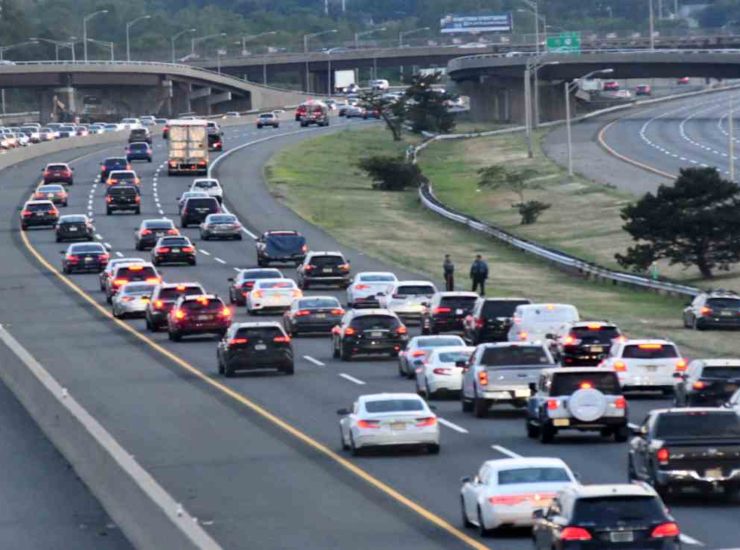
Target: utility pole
731 140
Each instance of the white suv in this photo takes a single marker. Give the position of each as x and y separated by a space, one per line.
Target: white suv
645 364
407 299
210 186
540 321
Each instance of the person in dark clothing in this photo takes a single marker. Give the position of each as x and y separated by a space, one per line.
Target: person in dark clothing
479 274
449 273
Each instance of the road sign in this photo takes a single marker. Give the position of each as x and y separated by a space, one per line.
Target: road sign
566 42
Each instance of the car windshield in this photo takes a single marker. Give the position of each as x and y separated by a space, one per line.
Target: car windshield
172 293
532 475
256 333
649 351
373 322
377 278
514 355
724 372
568 383
698 424
311 303
86 248
597 333
613 510
204 304
724 303
453 356
438 342
224 218
276 285
501 308
394 405
264 274
415 290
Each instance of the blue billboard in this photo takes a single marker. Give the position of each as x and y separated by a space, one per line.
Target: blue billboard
487 22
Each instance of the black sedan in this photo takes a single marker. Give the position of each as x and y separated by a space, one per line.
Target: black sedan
150 231
74 227
173 250
313 314
82 257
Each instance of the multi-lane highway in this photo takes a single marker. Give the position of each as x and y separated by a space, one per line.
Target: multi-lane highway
257 458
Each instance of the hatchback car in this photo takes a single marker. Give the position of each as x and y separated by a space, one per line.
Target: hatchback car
280 246
195 210
646 364
150 231
57 172
491 319
52 192
389 420
368 332
107 273
187 195
408 299
367 286
132 300
272 295
586 342
125 273
204 314
123 177
122 198
716 309
312 314
139 151
74 227
82 257
255 346
324 268
221 226
172 250
163 298
139 135
707 382
440 371
39 214
447 311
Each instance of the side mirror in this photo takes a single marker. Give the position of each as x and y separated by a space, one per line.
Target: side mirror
465 479
343 412
539 513
635 430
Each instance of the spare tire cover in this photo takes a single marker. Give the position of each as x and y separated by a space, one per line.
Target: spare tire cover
587 405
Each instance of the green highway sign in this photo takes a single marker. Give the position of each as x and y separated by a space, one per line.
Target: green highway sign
566 42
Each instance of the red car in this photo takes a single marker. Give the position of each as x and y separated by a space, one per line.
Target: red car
643 89
58 173
611 86
683 80
204 314
300 112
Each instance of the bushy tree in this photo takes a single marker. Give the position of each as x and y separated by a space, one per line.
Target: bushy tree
517 181
391 173
427 106
392 110
695 221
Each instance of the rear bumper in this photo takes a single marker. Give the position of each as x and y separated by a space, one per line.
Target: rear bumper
86 266
71 236
692 478
599 424
380 347
446 325
39 222
719 322
174 258
314 326
258 361
328 280
401 438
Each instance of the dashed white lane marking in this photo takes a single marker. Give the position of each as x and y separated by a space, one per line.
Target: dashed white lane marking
219 260
237 269
108 246
314 361
161 212
352 379
452 426
98 236
204 252
119 254
505 451
689 540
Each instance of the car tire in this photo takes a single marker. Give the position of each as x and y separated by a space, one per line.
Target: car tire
465 404
482 531
251 311
631 473
108 211
228 370
175 336
290 371
239 237
696 325
621 434
356 451
480 407
342 442
433 449
345 354
401 371
150 326
533 432
184 224
203 237
464 515
137 211
547 433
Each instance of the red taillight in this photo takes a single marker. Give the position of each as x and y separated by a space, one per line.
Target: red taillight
158 304
302 313
38 196
368 423
418 353
361 287
309 267
402 330
438 310
349 331
72 259
681 365
108 198
238 341
426 422
508 500
552 404
343 267
620 366
26 213
225 312
442 370
483 378
153 280
663 455
337 312
163 250
54 212
699 385
571 341
146 231
620 402
188 249
180 314
202 163
668 529
575 533
104 257
705 311
480 323
137 199
523 335
173 232
304 248
119 282
281 339
258 294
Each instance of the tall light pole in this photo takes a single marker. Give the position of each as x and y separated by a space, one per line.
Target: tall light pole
248 37
359 35
128 30
569 87
306 38
731 139
174 37
58 44
534 6
84 29
105 44
652 24
194 41
403 34
533 64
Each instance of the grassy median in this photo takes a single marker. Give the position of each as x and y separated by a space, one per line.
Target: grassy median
319 180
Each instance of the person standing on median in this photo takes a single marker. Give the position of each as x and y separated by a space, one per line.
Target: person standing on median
449 273
479 274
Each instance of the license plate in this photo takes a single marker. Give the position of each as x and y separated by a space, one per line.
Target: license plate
713 472
558 422
458 312
376 334
651 368
622 536
597 349
321 315
88 259
175 250
260 347
398 426
204 317
327 270
522 393
73 228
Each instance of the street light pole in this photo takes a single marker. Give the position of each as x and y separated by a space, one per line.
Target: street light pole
128 30
534 6
527 111
306 38
194 41
84 29
402 34
731 139
652 25
175 37
358 35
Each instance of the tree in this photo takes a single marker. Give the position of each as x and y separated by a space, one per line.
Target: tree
518 181
392 110
391 173
696 221
427 106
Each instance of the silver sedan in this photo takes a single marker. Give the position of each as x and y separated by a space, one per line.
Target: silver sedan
221 226
132 300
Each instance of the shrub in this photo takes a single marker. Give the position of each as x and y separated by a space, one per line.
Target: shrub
391 173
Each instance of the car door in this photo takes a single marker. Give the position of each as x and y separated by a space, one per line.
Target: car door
639 450
469 377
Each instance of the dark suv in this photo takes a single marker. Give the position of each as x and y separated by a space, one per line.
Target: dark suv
447 312
139 135
717 309
491 319
204 314
586 343
39 213
196 210
113 163
163 298
709 382
255 346
324 268
122 197
139 151
280 246
368 331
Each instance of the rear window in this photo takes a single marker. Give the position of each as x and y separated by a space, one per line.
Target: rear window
135 273
437 342
568 383
203 202
453 356
173 293
369 322
724 303
265 333
139 133
514 356
616 510
394 405
138 289
532 475
50 189
121 190
203 305
266 274
39 207
458 302
731 371
649 351
600 334
322 261
73 219
226 218
138 147
546 315
114 163
205 184
415 290
698 425
285 242
87 248
159 224
56 167
503 308
377 278
176 241
310 303
127 176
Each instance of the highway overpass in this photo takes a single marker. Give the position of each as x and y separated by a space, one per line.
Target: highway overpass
133 88
495 83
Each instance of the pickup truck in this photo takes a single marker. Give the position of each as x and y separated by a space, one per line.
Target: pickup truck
502 373
691 447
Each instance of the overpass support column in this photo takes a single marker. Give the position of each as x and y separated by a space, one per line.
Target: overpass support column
494 100
552 102
181 98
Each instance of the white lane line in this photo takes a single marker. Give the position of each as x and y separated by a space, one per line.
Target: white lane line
689 540
204 252
237 269
119 254
98 236
161 212
219 260
108 246
314 361
458 429
505 451
352 379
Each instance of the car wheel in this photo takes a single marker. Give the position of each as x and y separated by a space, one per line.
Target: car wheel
480 407
345 354
621 434
109 299
532 431
137 211
305 285
149 326
175 336
482 531
356 451
466 404
251 311
334 350
696 325
239 237
345 446
183 223
108 211
433 448
547 433
631 473
289 370
465 521
401 370
429 393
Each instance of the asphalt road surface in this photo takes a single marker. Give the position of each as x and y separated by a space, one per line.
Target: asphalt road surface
207 440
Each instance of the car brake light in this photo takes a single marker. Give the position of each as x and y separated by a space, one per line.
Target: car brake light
552 404
309 267
26 213
575 533
349 331
442 370
343 267
571 340
705 311
54 212
238 341
483 378
620 366
523 335
699 385
119 282
480 323
402 330
258 294
163 250
681 365
108 198
663 455
281 339
438 310
508 500
304 248
585 386
426 422
418 353
137 199
296 293
179 314
104 257
668 529
337 312
146 231
188 249
158 304
225 312
73 259
302 313
620 402
650 346
173 232
368 423
361 287
153 280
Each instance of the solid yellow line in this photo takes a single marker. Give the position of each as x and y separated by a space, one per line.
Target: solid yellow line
620 156
295 432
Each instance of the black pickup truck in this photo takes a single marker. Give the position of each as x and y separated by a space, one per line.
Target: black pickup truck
691 447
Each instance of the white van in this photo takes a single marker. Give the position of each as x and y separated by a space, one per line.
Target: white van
379 84
536 321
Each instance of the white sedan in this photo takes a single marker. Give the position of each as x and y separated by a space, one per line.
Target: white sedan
508 490
388 420
439 371
209 186
366 286
272 294
407 299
